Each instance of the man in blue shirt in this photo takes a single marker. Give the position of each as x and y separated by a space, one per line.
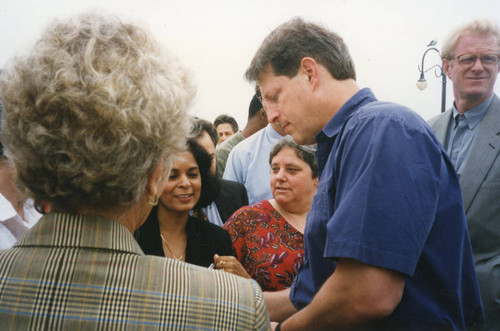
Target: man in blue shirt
386 241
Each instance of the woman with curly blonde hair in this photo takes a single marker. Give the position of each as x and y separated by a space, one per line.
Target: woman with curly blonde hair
92 118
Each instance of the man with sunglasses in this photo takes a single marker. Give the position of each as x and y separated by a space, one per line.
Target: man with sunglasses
470 133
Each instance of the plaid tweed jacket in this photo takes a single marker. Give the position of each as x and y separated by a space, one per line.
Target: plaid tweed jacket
74 272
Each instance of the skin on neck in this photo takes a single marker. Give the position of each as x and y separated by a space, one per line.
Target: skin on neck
173 223
296 216
332 94
133 217
254 124
173 230
465 104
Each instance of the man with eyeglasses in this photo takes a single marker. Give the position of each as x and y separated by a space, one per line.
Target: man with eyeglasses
470 132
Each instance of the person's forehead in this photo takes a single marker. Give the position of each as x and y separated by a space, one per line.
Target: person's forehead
287 154
271 83
224 127
183 160
474 42
267 77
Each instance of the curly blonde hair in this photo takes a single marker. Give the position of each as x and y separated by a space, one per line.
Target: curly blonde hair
91 111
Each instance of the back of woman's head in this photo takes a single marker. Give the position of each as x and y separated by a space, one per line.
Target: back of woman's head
92 110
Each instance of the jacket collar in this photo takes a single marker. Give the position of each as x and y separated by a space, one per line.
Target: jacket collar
80 231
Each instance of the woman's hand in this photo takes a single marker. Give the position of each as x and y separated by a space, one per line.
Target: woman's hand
230 264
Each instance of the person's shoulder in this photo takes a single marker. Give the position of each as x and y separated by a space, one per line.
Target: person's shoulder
256 208
389 109
239 291
243 151
227 184
249 142
380 112
493 112
232 141
438 117
206 227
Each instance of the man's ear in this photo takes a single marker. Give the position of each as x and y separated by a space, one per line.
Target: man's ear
309 68
262 114
446 67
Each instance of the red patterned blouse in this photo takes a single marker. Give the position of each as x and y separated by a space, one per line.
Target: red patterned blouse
269 248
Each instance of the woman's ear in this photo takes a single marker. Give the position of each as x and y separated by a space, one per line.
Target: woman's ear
316 182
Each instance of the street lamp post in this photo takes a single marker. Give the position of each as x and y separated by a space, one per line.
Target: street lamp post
422 83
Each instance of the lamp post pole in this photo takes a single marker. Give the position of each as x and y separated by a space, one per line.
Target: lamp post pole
422 83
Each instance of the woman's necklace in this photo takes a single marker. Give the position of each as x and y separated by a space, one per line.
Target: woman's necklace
168 247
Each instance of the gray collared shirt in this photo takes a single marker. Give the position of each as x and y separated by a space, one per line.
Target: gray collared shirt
461 132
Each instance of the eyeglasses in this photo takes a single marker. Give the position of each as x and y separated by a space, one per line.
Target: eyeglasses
467 60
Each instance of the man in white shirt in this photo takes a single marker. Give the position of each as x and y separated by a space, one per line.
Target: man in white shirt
248 163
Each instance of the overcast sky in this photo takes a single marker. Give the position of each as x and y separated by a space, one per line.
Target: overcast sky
217 39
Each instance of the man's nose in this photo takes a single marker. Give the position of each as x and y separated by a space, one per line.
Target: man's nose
272 114
478 65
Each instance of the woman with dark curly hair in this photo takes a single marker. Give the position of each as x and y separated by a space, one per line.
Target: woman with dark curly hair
170 230
267 236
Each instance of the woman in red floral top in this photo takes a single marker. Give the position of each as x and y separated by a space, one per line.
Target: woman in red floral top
267 236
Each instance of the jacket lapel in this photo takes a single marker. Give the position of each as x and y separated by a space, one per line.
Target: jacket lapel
483 152
439 125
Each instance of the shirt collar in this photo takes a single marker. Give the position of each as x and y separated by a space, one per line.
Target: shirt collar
474 115
335 124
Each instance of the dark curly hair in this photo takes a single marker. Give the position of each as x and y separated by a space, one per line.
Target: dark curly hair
210 186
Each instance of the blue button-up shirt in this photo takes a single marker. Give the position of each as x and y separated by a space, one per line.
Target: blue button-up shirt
461 132
388 196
